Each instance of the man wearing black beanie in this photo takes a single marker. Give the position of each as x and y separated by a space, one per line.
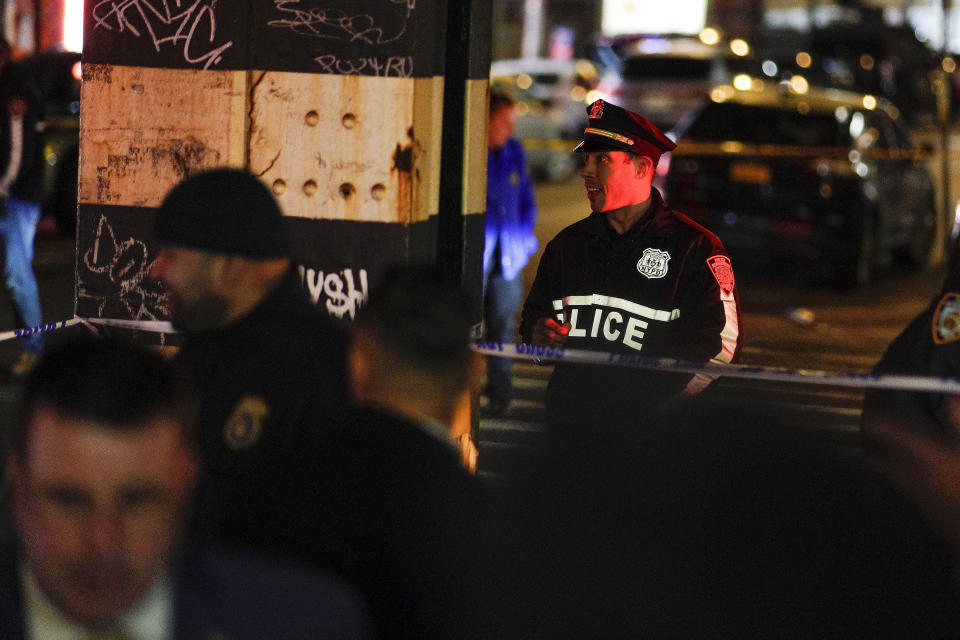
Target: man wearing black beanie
267 367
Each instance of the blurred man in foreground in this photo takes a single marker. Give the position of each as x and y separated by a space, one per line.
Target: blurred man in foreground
102 469
267 366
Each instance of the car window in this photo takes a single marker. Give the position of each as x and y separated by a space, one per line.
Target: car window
665 68
720 122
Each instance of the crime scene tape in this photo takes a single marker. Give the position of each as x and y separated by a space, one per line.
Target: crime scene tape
583 356
152 326
43 328
777 374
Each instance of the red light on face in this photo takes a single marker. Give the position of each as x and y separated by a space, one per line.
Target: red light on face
77 70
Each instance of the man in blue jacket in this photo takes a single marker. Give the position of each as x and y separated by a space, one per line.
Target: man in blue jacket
508 241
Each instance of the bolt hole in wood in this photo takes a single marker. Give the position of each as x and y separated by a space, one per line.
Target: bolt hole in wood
347 190
310 187
378 191
279 187
312 118
349 121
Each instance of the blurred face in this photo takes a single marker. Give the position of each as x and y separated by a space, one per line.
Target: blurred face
613 180
189 277
502 123
98 509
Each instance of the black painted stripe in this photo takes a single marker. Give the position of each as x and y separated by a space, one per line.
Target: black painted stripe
115 248
395 38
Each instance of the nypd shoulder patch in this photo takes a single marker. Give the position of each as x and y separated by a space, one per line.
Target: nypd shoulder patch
723 272
946 319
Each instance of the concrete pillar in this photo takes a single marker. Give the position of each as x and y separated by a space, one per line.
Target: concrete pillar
338 110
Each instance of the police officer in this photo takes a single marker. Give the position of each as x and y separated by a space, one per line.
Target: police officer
269 369
633 277
928 346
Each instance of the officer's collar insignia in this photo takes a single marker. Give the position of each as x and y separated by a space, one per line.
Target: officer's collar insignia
946 319
596 110
653 263
723 272
245 424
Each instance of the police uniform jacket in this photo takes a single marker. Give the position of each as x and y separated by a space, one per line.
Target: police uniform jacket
272 390
664 288
928 346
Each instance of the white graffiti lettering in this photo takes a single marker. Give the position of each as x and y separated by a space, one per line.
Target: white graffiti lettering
338 21
392 67
114 274
166 24
339 291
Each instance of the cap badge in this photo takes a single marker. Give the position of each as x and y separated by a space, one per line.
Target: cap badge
723 272
245 424
946 319
653 263
596 109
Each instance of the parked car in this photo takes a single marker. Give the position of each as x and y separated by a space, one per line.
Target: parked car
551 99
821 175
867 57
665 77
58 77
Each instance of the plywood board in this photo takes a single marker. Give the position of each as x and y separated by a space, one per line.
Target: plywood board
143 130
335 147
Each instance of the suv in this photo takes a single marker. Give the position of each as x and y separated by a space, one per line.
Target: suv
664 77
551 99
827 176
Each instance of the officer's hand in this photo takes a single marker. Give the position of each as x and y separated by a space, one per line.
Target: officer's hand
547 332
468 453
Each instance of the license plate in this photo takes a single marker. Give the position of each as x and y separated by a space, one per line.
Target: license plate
749 172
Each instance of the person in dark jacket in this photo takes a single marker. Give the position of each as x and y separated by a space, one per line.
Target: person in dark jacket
635 277
268 368
102 466
20 183
508 241
928 346
405 522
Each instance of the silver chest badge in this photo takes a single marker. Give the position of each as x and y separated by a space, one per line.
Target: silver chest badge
653 263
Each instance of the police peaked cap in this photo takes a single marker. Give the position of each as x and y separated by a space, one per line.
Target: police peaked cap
226 211
617 129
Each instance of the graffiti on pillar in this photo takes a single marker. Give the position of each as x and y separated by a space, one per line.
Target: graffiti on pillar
375 23
390 67
114 275
341 293
187 26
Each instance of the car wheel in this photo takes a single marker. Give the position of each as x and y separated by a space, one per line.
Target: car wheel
916 253
560 166
855 268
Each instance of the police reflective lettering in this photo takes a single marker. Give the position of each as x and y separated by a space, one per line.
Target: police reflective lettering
616 328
